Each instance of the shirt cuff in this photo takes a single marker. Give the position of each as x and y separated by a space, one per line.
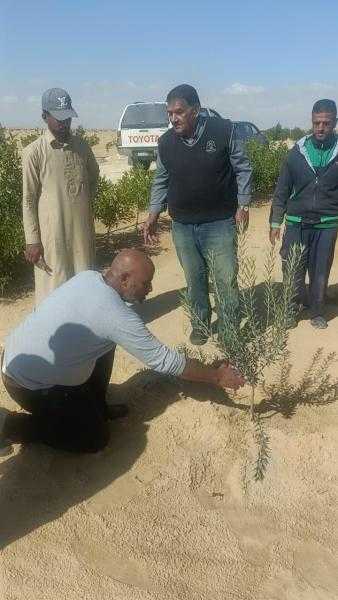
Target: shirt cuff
243 199
157 206
275 225
32 239
181 364
173 363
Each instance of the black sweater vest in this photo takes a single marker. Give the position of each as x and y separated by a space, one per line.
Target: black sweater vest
202 185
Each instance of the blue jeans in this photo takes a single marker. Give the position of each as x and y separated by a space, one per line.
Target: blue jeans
197 246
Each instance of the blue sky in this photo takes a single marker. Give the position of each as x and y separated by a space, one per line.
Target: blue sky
259 61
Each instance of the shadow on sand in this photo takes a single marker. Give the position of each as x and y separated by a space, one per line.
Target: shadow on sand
107 247
39 484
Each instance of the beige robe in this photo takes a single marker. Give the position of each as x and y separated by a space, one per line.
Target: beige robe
59 184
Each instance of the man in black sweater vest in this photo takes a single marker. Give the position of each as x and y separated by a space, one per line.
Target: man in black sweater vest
204 177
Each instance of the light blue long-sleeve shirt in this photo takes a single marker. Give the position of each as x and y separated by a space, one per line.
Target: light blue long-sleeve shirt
60 342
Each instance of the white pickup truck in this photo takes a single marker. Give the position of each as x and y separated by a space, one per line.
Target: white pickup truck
140 126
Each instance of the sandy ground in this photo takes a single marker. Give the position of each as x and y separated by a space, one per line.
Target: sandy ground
170 510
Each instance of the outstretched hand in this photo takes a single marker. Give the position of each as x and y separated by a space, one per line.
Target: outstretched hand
229 377
149 229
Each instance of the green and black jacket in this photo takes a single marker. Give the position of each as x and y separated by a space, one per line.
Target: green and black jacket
307 188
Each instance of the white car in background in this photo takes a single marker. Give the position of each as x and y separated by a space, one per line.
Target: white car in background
142 123
140 126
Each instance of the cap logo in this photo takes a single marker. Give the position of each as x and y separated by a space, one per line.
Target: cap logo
63 102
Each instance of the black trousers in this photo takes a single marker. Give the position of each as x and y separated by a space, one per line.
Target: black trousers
68 418
317 262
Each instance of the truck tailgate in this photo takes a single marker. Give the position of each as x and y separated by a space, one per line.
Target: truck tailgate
140 138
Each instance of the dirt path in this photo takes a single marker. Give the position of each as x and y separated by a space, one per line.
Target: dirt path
170 511
113 166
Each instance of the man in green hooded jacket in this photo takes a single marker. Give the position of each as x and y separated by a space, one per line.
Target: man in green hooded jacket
307 197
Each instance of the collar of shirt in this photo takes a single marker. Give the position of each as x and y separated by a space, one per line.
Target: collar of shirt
326 145
53 141
199 128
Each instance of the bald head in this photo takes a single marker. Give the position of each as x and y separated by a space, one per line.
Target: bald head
130 260
131 274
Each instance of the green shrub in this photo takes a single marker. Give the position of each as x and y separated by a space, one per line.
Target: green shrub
122 201
266 162
253 335
135 188
91 138
297 133
11 229
110 205
277 133
2 134
249 337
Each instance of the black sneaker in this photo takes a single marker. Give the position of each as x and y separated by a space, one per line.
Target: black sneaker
198 338
319 322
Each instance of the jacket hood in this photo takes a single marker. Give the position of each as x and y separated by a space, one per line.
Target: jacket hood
300 147
301 142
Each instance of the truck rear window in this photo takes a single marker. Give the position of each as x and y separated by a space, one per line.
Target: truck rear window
140 116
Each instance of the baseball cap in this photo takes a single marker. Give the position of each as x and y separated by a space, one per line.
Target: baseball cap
58 103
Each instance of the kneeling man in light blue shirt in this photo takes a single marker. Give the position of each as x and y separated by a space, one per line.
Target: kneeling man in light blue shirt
57 364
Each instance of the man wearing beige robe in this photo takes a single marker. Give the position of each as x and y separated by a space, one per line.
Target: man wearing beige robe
60 176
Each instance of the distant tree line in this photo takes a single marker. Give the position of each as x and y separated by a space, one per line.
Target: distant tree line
279 133
91 138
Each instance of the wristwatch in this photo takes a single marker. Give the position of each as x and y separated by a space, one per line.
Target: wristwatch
245 208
